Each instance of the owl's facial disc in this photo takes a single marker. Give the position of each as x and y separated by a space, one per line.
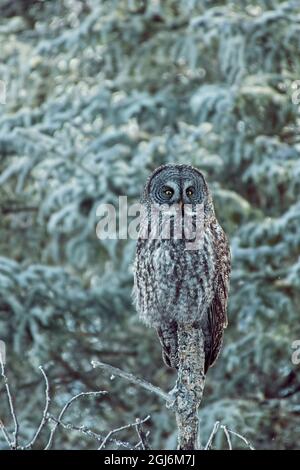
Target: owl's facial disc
177 185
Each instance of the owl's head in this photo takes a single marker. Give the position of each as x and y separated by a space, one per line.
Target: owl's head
177 184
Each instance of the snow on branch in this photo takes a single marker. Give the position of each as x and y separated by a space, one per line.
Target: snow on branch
13 439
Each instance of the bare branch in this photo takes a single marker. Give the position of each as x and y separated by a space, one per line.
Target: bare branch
227 433
65 408
5 434
248 443
88 432
142 435
133 379
212 435
45 412
127 426
14 443
188 387
227 436
140 443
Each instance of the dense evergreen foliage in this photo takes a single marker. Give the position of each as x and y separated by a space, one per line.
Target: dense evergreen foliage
98 94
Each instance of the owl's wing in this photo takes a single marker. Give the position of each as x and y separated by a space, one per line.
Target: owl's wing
168 339
217 314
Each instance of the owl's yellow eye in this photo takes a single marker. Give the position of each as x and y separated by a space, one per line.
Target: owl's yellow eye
189 192
168 192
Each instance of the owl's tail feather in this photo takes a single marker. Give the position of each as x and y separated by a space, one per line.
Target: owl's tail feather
168 338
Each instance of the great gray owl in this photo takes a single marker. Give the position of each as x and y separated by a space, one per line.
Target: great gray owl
173 284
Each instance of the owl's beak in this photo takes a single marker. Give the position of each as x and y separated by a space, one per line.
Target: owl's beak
181 205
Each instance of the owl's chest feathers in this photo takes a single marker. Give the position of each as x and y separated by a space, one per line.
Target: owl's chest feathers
177 282
173 262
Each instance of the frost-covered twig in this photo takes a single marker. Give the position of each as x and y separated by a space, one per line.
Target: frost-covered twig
133 379
46 417
188 392
88 432
227 433
142 435
227 436
127 426
14 443
5 433
45 412
212 435
65 408
242 438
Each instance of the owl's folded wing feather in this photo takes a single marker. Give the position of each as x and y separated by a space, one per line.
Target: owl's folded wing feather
217 314
169 341
217 322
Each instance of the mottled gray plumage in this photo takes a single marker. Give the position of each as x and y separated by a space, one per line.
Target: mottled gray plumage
172 284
